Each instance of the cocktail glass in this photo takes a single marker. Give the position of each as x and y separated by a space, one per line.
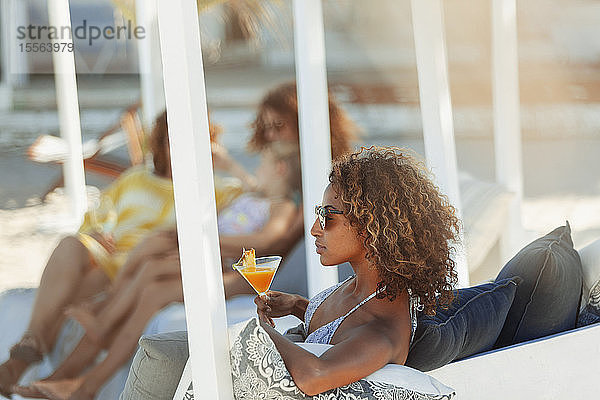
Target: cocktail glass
261 275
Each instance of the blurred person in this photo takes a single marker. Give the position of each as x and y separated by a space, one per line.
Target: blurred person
277 121
141 292
82 265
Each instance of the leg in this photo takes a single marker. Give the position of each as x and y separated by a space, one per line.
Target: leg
61 282
153 298
122 301
82 357
63 279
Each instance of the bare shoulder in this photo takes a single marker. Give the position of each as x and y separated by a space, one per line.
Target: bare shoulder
393 329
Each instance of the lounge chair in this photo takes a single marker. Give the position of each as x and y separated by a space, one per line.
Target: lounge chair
96 158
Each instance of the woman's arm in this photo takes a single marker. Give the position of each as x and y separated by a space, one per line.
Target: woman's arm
269 240
223 161
366 351
155 244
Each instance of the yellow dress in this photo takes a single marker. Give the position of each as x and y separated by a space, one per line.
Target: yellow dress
135 204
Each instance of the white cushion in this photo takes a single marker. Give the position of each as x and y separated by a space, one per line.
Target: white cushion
393 374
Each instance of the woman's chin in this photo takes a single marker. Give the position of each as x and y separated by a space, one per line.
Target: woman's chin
327 263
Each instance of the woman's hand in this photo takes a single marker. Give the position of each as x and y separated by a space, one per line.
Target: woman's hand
220 157
279 304
106 240
157 244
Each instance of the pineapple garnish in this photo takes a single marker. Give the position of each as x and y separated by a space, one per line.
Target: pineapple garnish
248 259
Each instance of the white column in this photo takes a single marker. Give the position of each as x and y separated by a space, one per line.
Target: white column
68 113
507 124
195 198
436 108
15 62
313 121
150 65
5 87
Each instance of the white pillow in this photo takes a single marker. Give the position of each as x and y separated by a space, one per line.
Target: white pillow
394 374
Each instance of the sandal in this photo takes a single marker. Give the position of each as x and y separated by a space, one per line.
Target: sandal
28 349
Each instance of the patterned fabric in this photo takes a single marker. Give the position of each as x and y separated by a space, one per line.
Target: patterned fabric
594 297
246 214
591 313
258 372
325 333
131 207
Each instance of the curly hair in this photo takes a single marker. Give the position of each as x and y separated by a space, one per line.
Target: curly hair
283 100
409 227
158 141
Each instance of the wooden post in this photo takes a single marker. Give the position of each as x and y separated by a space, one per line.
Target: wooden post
195 198
313 121
68 113
436 108
507 124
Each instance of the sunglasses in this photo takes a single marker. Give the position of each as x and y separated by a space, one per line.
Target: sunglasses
323 213
276 125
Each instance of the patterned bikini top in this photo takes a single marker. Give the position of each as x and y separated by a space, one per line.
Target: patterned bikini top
325 333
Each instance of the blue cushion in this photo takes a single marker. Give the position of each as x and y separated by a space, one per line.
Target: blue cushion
547 301
470 325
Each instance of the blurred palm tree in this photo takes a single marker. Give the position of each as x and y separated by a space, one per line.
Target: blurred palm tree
251 16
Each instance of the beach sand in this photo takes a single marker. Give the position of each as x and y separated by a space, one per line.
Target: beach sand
29 234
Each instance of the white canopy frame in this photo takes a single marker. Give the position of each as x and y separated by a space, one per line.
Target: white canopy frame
149 61
507 119
193 181
436 109
5 84
313 123
15 65
67 101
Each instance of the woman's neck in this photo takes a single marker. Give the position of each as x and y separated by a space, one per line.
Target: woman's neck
365 280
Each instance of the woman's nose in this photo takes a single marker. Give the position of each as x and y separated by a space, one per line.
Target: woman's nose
316 230
271 134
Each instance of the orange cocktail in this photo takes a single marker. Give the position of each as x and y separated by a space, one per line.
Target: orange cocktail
261 275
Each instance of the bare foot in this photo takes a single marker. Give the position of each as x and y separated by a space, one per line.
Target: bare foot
10 372
87 320
28 392
60 389
82 394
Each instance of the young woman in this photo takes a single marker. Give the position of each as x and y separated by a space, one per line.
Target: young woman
84 264
383 215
